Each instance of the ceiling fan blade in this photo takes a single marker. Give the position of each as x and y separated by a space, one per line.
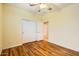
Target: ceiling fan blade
33 4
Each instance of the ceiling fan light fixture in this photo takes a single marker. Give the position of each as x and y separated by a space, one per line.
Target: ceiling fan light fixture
43 6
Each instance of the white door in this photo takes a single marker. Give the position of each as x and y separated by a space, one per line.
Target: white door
31 31
28 31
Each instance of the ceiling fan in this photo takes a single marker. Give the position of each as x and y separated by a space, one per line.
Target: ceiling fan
41 6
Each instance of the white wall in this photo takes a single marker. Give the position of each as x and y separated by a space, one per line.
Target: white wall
0 27
64 27
12 24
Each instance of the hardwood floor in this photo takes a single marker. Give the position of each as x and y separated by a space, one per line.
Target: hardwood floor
39 48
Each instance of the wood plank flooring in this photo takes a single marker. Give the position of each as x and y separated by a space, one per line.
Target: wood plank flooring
39 48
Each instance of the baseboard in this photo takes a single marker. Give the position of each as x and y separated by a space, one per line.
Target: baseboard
17 45
0 51
11 46
60 45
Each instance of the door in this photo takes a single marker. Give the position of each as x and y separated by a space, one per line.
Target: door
31 31
28 31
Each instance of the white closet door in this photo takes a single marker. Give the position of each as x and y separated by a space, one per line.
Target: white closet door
29 28
32 31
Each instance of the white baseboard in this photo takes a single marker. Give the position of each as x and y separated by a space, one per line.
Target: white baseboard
0 51
62 45
11 46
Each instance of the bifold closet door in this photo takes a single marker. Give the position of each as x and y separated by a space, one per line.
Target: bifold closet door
28 31
32 31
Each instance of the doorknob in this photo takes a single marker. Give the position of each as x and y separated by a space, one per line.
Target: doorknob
22 32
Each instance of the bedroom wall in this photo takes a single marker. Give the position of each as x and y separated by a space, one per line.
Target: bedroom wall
12 24
64 27
0 27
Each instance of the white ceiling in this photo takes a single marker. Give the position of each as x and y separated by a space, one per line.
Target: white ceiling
36 8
